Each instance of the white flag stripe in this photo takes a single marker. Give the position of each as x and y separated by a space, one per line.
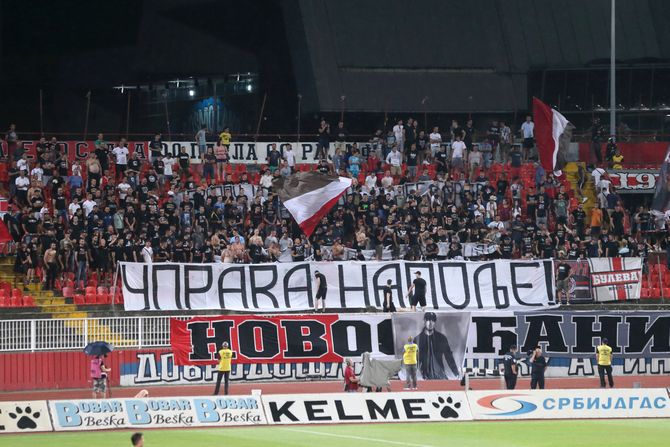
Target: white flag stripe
306 205
559 123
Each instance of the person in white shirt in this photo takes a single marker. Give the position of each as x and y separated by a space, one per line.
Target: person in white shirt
22 183
528 134
168 162
266 181
73 207
124 189
37 173
22 163
370 181
435 139
147 253
399 134
121 153
395 160
88 205
597 173
289 156
387 180
458 153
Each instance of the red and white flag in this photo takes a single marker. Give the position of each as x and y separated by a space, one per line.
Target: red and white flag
553 133
309 196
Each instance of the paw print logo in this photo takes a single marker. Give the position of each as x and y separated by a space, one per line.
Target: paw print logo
448 407
26 418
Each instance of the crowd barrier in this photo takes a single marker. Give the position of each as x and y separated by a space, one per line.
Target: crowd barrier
334 408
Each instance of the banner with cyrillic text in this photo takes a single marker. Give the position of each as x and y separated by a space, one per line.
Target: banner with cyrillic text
616 279
257 339
450 285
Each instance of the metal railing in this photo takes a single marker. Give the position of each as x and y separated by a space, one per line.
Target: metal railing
76 333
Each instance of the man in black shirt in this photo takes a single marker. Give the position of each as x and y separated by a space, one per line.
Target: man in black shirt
563 283
419 288
511 370
387 292
156 148
321 291
538 364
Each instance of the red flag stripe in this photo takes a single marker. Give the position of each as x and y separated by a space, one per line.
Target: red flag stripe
308 225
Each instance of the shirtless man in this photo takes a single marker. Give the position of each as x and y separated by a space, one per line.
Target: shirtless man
93 167
51 263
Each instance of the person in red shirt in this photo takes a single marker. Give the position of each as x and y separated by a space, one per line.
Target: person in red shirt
350 379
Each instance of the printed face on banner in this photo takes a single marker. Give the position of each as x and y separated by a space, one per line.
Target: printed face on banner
441 338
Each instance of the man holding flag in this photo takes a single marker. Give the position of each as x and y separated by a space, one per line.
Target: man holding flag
553 132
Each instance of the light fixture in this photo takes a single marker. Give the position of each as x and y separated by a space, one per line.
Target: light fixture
249 88
191 92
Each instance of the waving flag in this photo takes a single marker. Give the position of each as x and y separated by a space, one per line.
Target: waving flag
661 202
309 196
553 132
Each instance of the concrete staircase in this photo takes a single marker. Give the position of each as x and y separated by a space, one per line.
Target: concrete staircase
571 171
51 305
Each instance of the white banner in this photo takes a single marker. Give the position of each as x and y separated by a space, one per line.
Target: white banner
366 407
451 285
570 404
24 417
168 412
615 279
249 152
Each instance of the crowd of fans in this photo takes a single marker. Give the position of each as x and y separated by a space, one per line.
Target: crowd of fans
413 196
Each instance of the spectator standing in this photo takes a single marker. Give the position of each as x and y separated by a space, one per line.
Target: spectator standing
563 283
11 138
350 379
604 360
419 288
412 160
121 153
539 365
156 148
225 137
321 291
435 139
505 141
201 140
510 367
101 151
341 136
223 368
528 134
289 156
387 293
493 136
394 158
458 154
399 134
409 359
323 142
597 136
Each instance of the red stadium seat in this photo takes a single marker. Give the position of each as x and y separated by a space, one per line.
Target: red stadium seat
28 301
90 290
14 301
102 298
79 300
102 290
17 293
655 293
68 292
91 299
644 293
4 301
92 283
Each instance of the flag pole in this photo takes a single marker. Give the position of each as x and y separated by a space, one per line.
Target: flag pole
613 70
